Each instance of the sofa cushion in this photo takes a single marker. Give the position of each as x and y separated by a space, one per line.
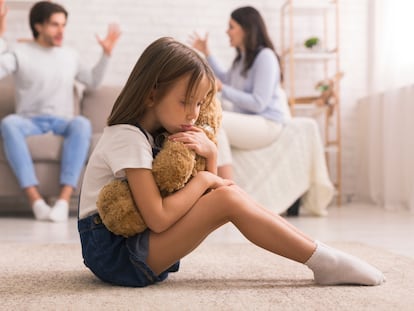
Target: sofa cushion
46 147
97 105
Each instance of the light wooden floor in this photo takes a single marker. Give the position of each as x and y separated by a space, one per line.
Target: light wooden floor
392 230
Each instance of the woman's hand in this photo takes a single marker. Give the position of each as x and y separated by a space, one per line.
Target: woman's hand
195 139
200 43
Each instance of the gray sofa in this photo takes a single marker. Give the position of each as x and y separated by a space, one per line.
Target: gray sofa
46 149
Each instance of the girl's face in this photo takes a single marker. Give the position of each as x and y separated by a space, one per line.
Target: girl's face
236 34
173 113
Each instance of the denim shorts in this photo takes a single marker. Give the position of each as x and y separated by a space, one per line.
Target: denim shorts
116 259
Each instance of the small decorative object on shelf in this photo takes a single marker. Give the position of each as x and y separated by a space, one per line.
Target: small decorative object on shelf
312 42
327 96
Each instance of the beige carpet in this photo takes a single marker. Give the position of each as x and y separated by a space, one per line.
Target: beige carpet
214 277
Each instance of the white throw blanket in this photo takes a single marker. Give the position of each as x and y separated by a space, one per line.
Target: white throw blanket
294 166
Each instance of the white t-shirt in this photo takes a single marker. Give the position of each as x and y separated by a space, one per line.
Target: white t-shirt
120 147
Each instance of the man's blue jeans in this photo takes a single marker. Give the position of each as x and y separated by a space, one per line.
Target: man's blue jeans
77 136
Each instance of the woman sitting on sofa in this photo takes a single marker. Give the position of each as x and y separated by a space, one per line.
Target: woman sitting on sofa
255 118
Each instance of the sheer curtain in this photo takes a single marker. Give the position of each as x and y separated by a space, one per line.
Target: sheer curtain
386 166
391 48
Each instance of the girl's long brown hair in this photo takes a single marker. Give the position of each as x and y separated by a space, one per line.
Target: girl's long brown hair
161 64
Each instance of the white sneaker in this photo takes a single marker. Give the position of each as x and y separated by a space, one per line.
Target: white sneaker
60 211
41 210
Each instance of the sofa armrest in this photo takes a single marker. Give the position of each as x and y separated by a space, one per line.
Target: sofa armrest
6 97
97 104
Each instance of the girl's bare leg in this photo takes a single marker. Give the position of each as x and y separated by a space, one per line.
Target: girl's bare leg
273 214
330 266
217 208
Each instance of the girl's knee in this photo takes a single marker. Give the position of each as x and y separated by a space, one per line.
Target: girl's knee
228 197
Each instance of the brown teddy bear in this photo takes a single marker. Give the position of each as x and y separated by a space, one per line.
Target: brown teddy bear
172 168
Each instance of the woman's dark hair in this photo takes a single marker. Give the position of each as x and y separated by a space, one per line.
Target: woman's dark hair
256 36
41 12
157 70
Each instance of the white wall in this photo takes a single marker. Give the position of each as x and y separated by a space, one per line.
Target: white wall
145 20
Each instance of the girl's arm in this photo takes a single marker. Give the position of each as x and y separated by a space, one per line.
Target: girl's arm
160 213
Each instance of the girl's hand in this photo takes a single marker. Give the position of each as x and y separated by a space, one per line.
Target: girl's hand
199 43
221 182
215 181
195 139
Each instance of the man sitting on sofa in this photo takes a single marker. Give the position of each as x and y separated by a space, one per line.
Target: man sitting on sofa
44 74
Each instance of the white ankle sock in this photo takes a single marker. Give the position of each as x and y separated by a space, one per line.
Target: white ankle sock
40 209
331 266
60 211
